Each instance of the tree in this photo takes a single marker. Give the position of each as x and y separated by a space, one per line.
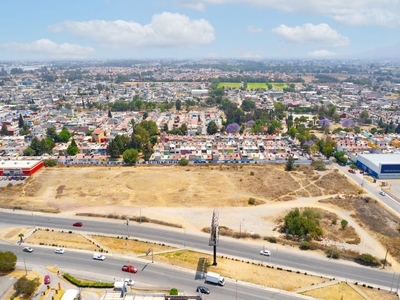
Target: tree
113 150
233 128
25 286
290 163
130 156
8 261
21 237
344 224
178 105
340 157
302 224
64 135
21 122
29 152
4 130
52 133
292 131
248 105
72 148
212 128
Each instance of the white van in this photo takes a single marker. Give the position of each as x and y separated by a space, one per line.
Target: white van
98 256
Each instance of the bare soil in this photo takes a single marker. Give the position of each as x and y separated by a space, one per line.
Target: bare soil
188 195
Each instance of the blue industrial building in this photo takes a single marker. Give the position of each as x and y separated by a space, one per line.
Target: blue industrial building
380 166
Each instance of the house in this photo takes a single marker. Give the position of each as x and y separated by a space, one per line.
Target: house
98 135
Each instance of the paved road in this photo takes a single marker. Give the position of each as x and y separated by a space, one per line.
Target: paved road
149 275
227 246
372 189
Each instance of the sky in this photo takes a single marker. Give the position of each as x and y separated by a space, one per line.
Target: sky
196 29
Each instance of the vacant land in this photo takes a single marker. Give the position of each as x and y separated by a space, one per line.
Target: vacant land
188 196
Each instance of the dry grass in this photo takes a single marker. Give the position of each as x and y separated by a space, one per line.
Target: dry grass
127 246
61 239
378 221
337 291
168 186
247 271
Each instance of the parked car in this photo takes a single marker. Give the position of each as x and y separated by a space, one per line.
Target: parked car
382 193
361 172
59 251
203 289
97 256
129 268
265 252
351 171
46 279
27 249
77 224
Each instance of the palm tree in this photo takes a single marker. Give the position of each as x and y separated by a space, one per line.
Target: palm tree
21 236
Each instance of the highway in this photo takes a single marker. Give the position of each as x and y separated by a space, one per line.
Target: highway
149 274
227 246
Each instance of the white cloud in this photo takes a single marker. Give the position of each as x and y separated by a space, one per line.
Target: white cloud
50 49
253 29
165 30
320 34
354 12
321 53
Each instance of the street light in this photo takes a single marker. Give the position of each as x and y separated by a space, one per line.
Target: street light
127 225
33 218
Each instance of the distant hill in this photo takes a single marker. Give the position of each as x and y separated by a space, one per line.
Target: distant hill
390 52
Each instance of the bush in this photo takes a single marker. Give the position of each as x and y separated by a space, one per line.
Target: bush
318 165
174 292
251 173
332 254
305 245
367 260
80 283
334 221
50 162
344 223
251 201
271 239
183 162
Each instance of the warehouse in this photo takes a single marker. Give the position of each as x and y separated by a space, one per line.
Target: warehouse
19 167
380 166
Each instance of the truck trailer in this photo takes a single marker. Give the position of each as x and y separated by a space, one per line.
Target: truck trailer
215 278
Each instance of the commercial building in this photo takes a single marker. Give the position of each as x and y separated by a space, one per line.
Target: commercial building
19 167
380 166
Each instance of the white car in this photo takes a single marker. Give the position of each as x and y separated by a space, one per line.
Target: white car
265 252
382 193
98 256
59 251
129 282
27 249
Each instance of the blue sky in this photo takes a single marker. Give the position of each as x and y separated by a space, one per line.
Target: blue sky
181 29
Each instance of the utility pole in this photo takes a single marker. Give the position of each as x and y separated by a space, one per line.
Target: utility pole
127 225
33 218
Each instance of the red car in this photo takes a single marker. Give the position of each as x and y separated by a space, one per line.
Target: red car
351 171
129 268
77 224
46 279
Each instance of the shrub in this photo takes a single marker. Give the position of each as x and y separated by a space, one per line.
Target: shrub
251 173
271 239
174 292
344 223
251 201
305 245
332 254
80 283
334 221
183 162
367 260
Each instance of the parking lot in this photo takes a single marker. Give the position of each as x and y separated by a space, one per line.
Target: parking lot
6 180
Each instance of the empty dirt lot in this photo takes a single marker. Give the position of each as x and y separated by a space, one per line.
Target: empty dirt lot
188 195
